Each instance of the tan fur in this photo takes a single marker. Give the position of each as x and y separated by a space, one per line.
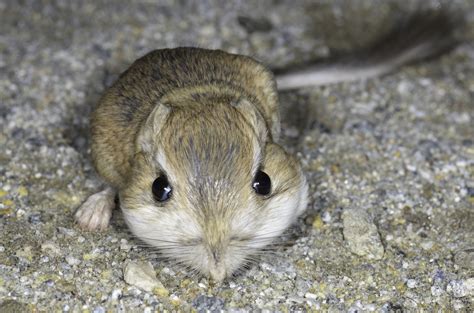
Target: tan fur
208 121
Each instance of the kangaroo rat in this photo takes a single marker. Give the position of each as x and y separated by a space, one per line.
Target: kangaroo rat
187 138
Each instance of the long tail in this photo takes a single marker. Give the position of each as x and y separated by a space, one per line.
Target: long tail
424 35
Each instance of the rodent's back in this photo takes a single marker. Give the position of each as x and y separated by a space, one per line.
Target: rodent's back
166 73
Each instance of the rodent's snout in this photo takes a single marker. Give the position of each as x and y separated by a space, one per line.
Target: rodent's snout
213 192
216 263
218 273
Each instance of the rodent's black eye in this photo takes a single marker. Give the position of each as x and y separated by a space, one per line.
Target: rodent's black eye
262 183
161 189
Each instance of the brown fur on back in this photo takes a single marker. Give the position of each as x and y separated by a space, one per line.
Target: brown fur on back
168 74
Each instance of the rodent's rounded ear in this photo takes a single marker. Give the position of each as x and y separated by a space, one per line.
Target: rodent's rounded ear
152 127
251 113
281 165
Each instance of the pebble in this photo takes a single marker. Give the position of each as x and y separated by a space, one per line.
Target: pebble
72 260
20 212
326 217
436 290
361 234
208 303
66 231
50 248
465 259
411 283
141 275
116 294
124 245
22 191
469 283
99 309
461 288
34 218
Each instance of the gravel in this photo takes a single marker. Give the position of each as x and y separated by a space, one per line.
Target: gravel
390 158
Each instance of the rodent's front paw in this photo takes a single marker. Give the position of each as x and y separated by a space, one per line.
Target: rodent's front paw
95 212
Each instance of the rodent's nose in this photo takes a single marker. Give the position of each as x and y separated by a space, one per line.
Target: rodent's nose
216 255
217 269
218 273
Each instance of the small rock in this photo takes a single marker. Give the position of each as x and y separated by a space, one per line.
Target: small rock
458 305
318 223
20 212
456 288
50 248
465 258
116 294
99 309
124 246
175 300
404 87
326 217
22 191
161 291
469 283
411 283
461 288
34 218
361 234
436 290
439 276
141 275
302 286
72 260
66 231
427 245
206 303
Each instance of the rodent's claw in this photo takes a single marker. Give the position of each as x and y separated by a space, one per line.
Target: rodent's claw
95 212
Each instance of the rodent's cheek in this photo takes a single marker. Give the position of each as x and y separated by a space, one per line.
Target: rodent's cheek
161 227
280 211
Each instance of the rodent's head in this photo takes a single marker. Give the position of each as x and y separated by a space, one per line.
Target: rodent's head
208 186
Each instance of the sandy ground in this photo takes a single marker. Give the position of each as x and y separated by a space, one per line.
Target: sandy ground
390 161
